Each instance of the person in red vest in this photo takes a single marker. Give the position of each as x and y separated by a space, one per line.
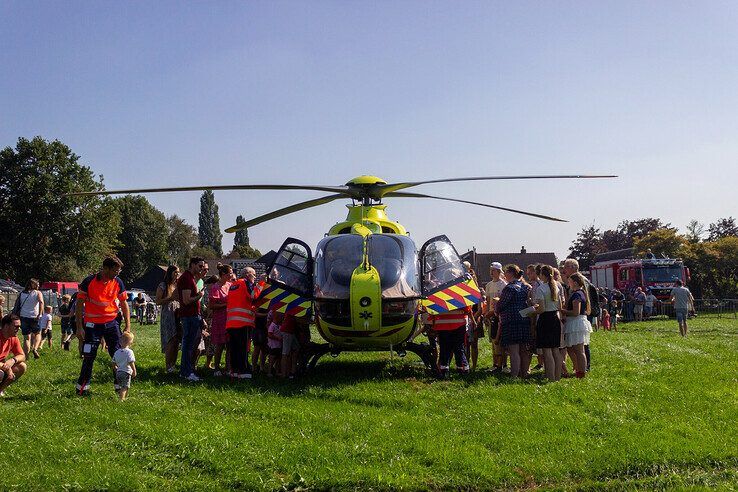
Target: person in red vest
451 328
240 319
98 298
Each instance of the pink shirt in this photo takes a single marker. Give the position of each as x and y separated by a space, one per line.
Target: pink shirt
274 330
219 294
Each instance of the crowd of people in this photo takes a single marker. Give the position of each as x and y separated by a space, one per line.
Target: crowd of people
542 312
217 317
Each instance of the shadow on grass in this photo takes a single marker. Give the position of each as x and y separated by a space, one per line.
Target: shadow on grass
330 374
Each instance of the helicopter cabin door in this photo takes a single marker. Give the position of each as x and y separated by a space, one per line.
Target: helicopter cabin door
446 283
289 282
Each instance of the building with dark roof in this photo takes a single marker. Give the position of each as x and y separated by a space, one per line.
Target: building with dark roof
150 280
481 261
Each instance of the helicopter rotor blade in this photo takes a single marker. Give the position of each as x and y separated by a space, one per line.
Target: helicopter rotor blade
344 190
285 211
403 194
384 189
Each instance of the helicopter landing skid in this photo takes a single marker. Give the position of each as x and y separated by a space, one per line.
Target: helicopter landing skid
309 358
425 353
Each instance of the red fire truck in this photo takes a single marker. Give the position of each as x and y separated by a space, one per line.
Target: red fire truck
625 273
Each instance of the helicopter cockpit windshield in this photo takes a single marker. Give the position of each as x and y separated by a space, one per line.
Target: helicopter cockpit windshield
441 264
291 269
394 257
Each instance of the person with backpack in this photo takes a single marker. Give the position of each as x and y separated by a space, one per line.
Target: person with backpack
29 306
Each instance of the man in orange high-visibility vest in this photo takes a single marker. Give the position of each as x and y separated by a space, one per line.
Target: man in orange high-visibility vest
241 317
98 299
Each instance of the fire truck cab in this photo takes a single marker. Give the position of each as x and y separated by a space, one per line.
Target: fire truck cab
626 274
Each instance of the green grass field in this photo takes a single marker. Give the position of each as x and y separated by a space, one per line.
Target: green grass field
657 411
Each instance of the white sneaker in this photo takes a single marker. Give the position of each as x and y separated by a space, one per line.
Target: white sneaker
245 375
506 370
171 370
2 394
217 374
82 389
192 377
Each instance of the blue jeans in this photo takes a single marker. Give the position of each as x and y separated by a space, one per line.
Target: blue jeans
190 329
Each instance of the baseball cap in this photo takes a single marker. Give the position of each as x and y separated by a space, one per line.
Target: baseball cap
496 265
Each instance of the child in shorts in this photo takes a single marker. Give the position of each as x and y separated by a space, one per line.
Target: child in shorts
67 321
274 343
44 323
124 363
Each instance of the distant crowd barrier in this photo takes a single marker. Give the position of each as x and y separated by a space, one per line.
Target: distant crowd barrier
718 308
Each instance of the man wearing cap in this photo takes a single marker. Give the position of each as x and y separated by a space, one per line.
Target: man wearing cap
14 367
493 289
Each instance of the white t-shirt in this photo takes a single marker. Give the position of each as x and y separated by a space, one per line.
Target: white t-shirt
542 295
122 358
493 289
44 321
682 297
30 305
650 298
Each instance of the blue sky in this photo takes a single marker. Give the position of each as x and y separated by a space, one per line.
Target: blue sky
175 93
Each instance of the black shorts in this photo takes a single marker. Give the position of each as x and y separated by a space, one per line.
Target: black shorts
275 352
46 334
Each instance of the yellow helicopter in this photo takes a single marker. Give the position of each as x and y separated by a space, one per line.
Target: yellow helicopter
367 279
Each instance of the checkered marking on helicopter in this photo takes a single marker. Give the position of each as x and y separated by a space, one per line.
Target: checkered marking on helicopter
275 297
458 296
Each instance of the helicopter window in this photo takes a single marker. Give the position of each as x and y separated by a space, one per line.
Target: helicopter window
396 259
441 264
335 261
291 268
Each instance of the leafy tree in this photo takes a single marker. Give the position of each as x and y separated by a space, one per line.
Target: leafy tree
181 240
46 233
613 240
661 242
244 251
713 267
242 236
630 230
695 231
209 230
586 246
722 228
205 252
725 274
143 244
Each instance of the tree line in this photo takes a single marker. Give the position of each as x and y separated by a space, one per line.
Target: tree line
50 235
711 253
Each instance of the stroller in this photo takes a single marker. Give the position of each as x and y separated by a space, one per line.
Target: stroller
151 312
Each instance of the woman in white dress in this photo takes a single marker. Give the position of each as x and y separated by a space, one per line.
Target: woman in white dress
577 327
